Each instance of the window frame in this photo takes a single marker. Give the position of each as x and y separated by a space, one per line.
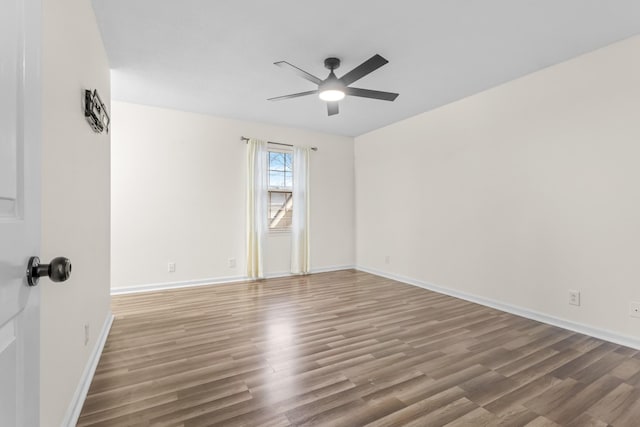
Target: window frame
276 189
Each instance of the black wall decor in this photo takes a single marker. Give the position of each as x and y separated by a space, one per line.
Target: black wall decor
96 112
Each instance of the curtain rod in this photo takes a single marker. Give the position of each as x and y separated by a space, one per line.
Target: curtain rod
245 139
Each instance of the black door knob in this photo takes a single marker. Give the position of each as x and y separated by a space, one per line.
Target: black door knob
58 270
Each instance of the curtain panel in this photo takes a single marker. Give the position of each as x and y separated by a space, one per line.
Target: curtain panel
300 232
256 206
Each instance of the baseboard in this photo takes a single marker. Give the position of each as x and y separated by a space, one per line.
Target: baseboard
73 413
276 275
313 271
151 287
602 334
332 268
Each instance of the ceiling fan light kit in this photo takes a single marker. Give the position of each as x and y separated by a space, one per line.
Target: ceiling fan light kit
333 89
331 95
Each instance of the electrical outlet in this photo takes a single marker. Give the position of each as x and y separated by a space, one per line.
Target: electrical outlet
387 259
574 297
232 263
634 309
86 334
172 267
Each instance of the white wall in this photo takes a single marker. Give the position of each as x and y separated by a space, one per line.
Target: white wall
178 195
75 201
516 194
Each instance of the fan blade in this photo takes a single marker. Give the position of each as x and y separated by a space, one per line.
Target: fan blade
332 108
299 72
294 95
375 94
368 66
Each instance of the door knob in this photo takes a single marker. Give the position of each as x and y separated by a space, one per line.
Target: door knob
58 270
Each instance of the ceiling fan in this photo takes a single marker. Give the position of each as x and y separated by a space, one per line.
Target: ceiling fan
333 89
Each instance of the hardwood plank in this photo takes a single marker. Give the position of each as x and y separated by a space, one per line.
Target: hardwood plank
618 403
583 400
420 408
513 400
479 417
586 420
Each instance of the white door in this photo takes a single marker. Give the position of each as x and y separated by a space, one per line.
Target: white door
20 128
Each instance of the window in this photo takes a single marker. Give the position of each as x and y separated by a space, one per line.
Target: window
280 187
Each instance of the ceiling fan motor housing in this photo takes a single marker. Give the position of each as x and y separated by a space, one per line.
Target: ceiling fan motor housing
332 63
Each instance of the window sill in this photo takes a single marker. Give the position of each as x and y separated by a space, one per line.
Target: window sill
279 232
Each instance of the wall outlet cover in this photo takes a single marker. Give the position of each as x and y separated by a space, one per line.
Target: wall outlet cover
232 263
574 297
172 267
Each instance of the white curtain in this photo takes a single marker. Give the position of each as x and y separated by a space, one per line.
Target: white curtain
300 257
256 206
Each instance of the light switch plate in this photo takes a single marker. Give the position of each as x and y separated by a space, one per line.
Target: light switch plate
634 309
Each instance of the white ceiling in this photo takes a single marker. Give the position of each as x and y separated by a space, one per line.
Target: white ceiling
217 56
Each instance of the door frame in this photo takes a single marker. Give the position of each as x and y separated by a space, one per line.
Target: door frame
29 128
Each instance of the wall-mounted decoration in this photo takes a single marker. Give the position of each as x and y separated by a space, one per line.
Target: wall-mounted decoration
96 112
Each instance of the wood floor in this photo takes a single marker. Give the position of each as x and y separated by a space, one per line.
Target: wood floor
349 349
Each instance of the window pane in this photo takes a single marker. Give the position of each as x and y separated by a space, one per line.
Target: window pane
276 179
272 156
288 162
276 161
277 200
288 179
280 210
